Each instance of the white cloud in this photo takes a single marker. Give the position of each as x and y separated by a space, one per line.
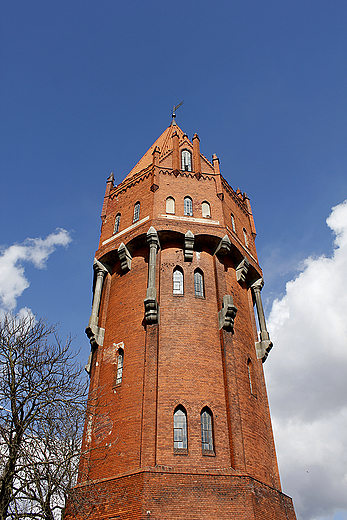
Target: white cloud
307 380
12 274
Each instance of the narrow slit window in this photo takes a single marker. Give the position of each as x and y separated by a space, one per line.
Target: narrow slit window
120 363
206 430
136 212
199 284
180 429
188 206
170 205
186 161
233 223
177 281
206 210
245 237
251 378
116 224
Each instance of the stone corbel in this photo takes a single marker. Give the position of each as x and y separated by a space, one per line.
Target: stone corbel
242 270
124 257
224 246
263 346
150 302
188 246
226 315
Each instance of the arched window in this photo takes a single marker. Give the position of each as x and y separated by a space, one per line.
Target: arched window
136 212
116 223
170 205
251 377
206 210
188 206
180 429
245 237
233 223
199 283
186 161
206 430
177 281
120 362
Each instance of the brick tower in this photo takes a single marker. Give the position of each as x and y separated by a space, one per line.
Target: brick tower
178 425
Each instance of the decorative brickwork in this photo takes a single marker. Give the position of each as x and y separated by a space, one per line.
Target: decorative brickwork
188 342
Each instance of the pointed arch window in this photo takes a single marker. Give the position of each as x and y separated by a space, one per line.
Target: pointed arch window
188 206
170 205
233 223
136 212
245 237
180 429
177 279
116 223
186 157
206 209
199 283
120 364
206 431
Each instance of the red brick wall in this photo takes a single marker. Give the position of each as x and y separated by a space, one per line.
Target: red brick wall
164 495
184 359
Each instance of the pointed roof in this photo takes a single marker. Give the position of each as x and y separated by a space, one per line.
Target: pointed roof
164 144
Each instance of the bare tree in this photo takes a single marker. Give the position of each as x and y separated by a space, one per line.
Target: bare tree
42 406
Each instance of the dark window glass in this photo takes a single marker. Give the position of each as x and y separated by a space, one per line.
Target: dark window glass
245 237
116 223
188 206
199 284
206 430
233 223
136 211
186 161
120 362
180 429
251 378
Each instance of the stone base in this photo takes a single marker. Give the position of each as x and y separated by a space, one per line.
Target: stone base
164 494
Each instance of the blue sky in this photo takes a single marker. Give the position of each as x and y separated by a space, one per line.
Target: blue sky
87 87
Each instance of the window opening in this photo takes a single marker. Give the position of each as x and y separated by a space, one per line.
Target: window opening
120 362
180 429
136 212
170 205
177 281
199 284
251 377
245 237
116 223
206 210
233 223
206 430
188 206
186 161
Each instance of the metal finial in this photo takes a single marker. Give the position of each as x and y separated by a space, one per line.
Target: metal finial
174 110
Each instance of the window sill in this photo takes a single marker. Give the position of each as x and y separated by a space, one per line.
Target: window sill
180 451
208 453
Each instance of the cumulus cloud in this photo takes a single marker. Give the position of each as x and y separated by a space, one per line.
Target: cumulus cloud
307 380
12 274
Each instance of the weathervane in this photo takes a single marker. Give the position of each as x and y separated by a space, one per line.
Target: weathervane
174 111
